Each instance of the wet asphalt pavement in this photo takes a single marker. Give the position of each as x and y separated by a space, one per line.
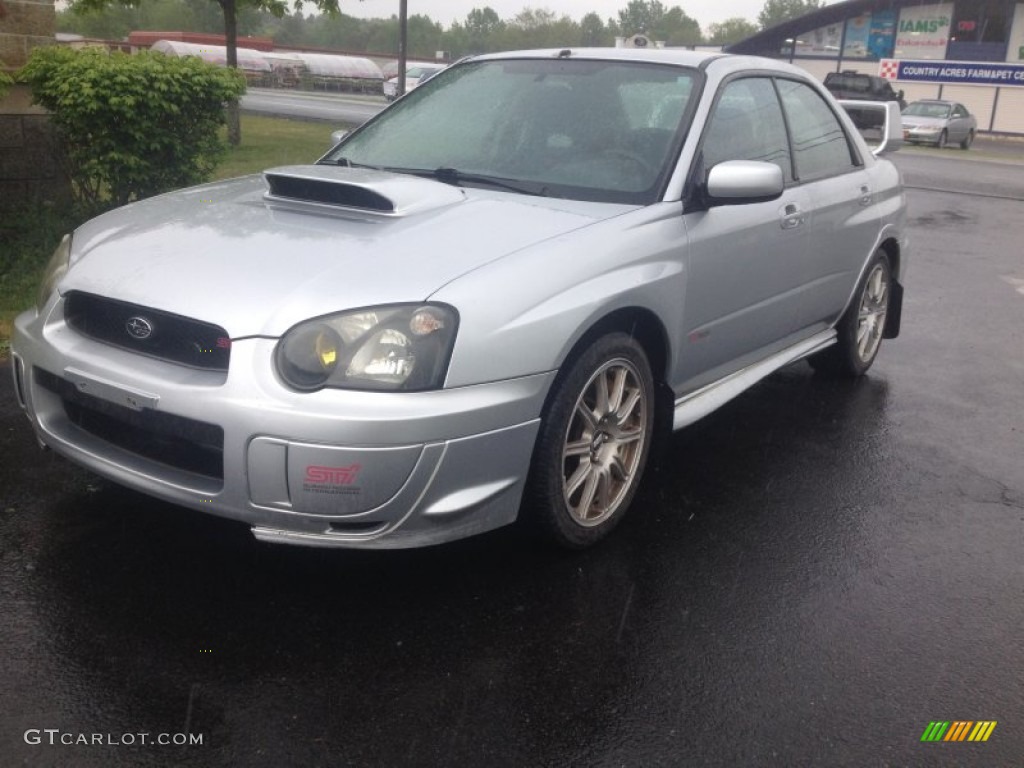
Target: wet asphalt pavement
809 577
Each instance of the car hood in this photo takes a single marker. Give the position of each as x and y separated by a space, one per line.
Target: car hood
224 253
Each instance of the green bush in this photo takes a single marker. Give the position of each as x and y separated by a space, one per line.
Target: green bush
131 126
5 82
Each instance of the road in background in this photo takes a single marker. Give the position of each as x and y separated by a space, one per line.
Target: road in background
347 109
989 172
809 577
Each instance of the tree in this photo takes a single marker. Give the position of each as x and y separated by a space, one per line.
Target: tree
652 18
425 36
778 11
593 31
730 31
482 22
111 113
481 28
676 28
231 10
640 17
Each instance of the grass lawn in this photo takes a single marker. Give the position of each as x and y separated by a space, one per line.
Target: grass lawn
28 239
270 141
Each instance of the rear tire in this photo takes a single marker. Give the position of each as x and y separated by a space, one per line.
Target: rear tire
968 140
593 443
862 326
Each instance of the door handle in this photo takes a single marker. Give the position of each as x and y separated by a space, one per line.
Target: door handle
792 216
865 195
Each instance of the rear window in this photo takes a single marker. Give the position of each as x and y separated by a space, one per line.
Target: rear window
927 109
845 82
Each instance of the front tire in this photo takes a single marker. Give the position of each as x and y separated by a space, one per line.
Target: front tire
862 326
943 138
593 443
968 140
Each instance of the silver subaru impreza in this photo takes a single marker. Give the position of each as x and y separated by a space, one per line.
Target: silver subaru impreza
479 306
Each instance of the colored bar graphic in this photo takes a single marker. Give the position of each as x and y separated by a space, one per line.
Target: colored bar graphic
935 730
982 730
958 730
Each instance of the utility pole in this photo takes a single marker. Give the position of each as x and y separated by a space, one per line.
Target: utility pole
403 15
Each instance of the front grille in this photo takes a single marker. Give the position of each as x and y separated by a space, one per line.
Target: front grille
150 332
176 441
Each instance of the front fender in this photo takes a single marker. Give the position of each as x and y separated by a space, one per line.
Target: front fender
524 313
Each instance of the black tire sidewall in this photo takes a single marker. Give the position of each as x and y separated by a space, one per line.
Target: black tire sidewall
545 503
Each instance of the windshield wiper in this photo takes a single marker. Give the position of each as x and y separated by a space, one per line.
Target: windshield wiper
458 178
454 176
344 162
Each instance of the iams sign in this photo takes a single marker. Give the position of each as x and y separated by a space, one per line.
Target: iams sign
923 26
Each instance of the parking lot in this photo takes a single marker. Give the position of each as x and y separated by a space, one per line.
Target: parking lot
810 576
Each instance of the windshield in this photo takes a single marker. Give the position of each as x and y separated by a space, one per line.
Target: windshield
924 109
585 130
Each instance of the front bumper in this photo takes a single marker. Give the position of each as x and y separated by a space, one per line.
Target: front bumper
925 135
332 468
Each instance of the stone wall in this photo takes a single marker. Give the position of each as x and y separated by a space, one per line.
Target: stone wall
28 170
24 24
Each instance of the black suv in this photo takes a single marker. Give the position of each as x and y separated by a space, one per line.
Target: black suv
853 85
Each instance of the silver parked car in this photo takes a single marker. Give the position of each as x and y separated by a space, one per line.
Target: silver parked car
933 121
479 306
413 77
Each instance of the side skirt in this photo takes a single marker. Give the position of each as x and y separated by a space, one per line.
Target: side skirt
700 403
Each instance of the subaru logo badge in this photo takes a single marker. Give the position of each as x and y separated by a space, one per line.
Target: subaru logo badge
139 328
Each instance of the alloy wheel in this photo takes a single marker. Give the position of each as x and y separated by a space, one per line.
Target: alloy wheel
604 442
874 305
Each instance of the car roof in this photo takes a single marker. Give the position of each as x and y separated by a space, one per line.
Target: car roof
935 101
723 63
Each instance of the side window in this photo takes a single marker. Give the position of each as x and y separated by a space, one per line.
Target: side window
747 124
820 146
959 111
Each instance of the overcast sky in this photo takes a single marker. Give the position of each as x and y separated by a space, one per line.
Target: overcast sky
446 11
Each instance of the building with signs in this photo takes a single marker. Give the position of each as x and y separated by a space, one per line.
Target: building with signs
971 51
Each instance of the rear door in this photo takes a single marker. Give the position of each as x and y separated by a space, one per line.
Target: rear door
841 223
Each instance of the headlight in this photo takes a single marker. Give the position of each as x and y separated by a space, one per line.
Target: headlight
56 268
401 347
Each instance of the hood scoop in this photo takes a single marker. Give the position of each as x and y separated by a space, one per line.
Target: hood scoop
341 190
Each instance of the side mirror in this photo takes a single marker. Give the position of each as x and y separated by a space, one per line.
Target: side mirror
878 122
735 182
337 136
